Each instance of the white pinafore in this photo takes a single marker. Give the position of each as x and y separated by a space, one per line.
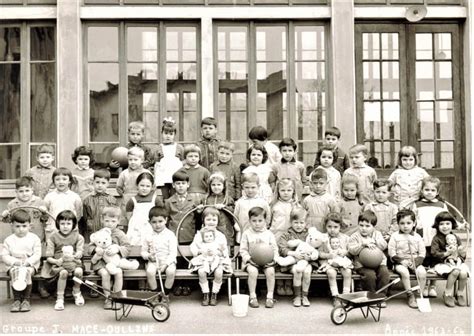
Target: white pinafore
138 226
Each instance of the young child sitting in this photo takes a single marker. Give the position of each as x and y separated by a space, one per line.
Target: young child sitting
407 251
332 136
21 249
350 204
42 173
209 142
198 175
258 234
326 156
160 248
365 175
226 165
259 136
83 158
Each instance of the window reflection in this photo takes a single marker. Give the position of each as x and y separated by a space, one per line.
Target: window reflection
10 48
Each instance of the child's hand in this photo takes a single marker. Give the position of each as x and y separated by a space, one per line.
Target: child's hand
17 263
200 207
114 164
292 243
59 262
151 258
78 255
5 213
236 227
99 251
111 250
238 236
163 268
219 206
461 249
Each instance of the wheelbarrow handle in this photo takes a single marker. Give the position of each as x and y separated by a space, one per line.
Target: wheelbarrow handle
415 288
397 280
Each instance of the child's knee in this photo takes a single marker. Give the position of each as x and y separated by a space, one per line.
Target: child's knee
421 271
269 271
331 273
462 275
252 271
78 272
307 271
171 270
63 274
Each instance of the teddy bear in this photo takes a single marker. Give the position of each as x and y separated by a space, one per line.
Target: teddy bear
69 261
113 263
307 248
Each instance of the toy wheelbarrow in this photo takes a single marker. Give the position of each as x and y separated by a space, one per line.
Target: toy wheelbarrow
156 301
370 303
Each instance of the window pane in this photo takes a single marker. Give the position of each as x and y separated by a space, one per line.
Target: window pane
309 43
232 43
389 45
442 46
102 43
181 71
103 102
424 46
43 102
271 43
446 156
391 118
142 43
10 48
232 71
371 80
372 120
181 44
181 107
42 43
375 153
425 120
390 155
390 80
10 163
371 46
444 118
444 80
10 103
427 155
424 80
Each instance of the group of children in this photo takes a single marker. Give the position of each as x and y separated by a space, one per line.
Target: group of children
191 196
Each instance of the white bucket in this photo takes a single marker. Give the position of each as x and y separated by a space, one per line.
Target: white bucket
240 305
19 278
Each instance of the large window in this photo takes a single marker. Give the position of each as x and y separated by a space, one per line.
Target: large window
27 94
273 75
141 72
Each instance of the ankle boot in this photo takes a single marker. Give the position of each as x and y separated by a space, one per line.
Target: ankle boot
205 299
213 301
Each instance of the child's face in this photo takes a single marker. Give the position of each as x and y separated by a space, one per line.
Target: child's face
158 223
429 191
319 186
445 227
144 187
258 223
20 229
61 182
333 228
408 162
83 161
167 137
358 159
285 192
217 187
192 159
211 221
101 184
208 131
134 162
331 140
65 226
110 222
406 224
256 157
135 135
382 194
24 193
181 187
224 155
287 152
250 189
335 243
45 159
326 159
366 228
298 224
208 237
349 190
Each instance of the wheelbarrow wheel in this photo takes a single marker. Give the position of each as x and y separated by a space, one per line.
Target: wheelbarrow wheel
160 312
338 315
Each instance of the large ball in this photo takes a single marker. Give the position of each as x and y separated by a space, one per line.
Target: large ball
261 253
119 154
371 258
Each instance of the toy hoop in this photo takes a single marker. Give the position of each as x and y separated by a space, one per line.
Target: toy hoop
32 207
463 220
191 211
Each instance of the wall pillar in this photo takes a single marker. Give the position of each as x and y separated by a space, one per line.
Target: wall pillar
207 69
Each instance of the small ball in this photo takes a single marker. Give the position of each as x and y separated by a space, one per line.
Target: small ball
261 253
371 258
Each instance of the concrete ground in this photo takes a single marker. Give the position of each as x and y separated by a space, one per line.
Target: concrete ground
187 316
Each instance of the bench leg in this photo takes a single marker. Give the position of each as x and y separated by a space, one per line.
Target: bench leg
229 290
468 292
9 290
237 285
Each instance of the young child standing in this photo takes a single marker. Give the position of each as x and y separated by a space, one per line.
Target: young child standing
198 175
168 158
259 136
289 167
326 157
21 249
408 176
332 136
257 158
444 224
138 208
226 165
297 232
42 173
319 203
369 237
159 249
257 234
83 158
350 204
209 142
366 175
66 222
407 251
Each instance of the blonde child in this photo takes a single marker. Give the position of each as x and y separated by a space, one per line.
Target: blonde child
297 232
55 266
350 204
168 158
259 136
209 142
319 203
21 249
444 225
407 251
83 158
120 244
211 257
257 157
42 173
226 165
220 199
326 157
159 249
366 175
332 136
408 176
257 234
198 175
138 208
332 254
